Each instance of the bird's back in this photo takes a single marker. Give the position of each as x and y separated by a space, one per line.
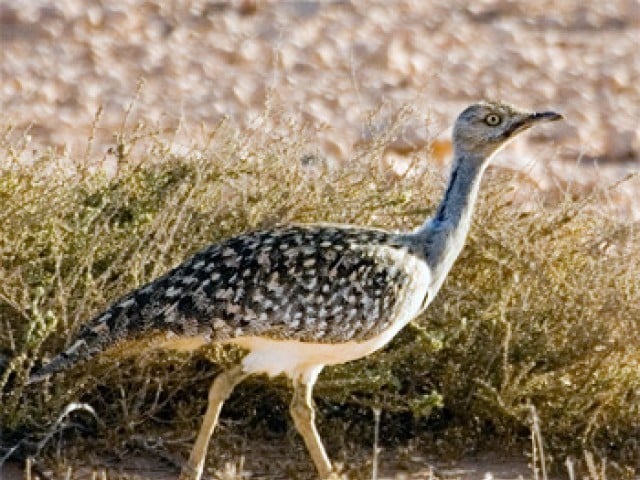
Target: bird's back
326 284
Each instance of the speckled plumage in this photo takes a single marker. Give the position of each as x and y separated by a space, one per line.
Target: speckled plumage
310 283
317 283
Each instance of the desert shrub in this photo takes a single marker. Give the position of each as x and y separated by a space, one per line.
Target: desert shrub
541 312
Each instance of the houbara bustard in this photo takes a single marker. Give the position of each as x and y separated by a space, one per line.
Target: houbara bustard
301 297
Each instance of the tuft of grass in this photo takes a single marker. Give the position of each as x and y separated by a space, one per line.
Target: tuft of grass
540 314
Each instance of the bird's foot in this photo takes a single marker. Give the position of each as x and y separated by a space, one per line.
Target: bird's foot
189 473
335 474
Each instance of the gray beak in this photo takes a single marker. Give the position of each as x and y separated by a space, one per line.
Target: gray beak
529 121
545 117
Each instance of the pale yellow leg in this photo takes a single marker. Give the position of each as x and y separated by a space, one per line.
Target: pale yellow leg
303 414
220 390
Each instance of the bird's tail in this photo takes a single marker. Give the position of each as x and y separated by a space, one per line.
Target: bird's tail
142 310
122 320
77 353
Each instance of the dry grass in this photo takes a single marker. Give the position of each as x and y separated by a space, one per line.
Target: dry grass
537 328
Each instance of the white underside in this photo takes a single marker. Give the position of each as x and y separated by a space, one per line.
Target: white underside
298 359
304 360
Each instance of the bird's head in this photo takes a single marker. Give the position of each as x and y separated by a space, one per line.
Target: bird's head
482 128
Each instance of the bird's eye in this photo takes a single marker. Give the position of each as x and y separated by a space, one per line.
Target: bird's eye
492 120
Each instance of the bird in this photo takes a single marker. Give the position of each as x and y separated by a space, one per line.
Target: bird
297 298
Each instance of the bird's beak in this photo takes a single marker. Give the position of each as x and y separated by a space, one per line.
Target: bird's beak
544 117
529 120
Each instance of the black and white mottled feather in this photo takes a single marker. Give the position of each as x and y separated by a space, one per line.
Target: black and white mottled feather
326 284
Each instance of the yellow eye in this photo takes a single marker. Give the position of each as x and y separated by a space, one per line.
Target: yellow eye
492 120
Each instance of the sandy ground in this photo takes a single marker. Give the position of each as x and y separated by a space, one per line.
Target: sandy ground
330 64
480 467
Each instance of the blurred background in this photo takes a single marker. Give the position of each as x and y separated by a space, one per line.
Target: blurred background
330 64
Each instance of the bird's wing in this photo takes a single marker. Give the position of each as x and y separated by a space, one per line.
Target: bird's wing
310 283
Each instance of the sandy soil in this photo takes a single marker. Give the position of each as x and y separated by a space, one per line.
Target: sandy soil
481 467
330 64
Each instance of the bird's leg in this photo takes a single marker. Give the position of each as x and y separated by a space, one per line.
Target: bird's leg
220 390
303 414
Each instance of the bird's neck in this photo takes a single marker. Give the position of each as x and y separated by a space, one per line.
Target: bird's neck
444 234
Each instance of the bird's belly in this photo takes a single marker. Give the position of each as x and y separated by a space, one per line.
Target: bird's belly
292 357
274 357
